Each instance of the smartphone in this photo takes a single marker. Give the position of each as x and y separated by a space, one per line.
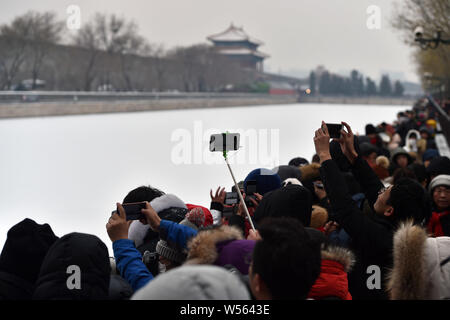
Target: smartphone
231 198
334 130
224 142
249 192
133 210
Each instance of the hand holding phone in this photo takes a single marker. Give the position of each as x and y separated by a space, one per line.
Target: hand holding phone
334 130
133 210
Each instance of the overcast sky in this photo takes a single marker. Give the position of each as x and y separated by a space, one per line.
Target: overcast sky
297 34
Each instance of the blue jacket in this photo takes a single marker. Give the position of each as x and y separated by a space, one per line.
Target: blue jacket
129 259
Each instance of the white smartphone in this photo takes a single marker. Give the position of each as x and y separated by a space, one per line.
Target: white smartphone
224 142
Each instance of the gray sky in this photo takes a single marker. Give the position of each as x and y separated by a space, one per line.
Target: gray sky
297 34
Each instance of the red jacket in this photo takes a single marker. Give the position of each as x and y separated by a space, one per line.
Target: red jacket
435 226
332 281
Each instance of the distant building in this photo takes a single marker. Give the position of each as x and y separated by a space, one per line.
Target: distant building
238 45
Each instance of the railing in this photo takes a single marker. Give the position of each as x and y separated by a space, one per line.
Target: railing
443 128
48 96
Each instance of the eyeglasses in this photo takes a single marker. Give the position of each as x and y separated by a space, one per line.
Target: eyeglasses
442 190
382 190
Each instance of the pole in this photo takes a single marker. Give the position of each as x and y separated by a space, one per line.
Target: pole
240 194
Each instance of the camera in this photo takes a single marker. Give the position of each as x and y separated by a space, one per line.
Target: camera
418 32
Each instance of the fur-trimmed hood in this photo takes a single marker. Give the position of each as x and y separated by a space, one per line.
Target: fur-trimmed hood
221 246
339 254
421 267
332 281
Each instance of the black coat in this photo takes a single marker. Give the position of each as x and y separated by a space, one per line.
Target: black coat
87 252
25 248
372 237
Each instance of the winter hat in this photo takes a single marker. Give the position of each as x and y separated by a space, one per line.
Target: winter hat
291 201
286 172
194 219
208 218
291 181
430 154
168 207
367 148
170 253
298 162
25 248
194 282
382 161
370 129
90 256
400 151
266 180
438 166
441 180
221 246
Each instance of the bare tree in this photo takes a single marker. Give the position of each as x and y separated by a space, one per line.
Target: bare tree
118 38
432 15
38 31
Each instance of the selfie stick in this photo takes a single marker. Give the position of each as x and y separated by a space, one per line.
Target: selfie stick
239 191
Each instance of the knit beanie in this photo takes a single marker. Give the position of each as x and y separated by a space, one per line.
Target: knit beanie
441 180
194 219
170 253
430 154
208 218
266 180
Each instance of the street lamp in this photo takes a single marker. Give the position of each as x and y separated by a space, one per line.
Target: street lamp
430 43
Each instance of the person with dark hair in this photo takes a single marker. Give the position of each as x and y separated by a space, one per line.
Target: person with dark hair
22 255
286 261
371 235
298 162
421 173
400 173
438 166
128 258
290 201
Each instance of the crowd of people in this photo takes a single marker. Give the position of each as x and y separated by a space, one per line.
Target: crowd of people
367 218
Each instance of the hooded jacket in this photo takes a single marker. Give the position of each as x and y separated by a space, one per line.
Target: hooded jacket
332 282
421 268
84 251
194 282
222 246
25 248
290 201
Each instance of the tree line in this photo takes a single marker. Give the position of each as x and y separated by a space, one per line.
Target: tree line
107 53
327 83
